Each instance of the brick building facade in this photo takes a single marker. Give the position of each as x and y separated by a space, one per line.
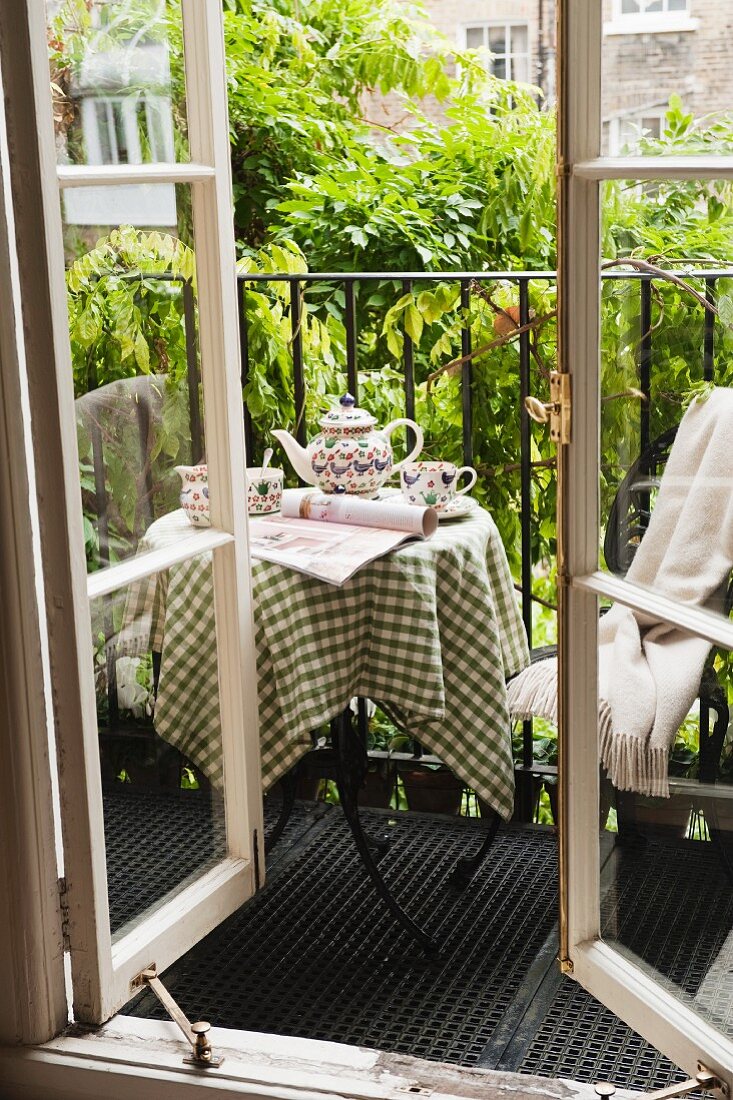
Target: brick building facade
651 49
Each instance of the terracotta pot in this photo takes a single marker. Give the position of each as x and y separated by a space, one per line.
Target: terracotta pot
378 785
662 817
486 811
314 767
429 791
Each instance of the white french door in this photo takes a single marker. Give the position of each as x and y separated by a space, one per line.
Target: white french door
600 944
163 227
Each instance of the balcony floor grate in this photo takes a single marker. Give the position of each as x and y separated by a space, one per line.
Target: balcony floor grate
187 826
314 955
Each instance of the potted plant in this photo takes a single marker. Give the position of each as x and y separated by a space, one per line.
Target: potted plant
429 788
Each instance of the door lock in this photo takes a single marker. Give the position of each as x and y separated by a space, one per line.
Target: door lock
557 410
704 1079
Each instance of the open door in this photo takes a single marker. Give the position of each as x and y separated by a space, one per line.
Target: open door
144 206
668 979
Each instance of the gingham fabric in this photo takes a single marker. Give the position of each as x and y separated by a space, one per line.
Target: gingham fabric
430 633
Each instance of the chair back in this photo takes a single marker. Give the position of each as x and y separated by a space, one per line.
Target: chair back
131 433
632 507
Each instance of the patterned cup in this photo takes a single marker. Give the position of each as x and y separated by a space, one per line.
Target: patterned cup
433 484
264 494
195 493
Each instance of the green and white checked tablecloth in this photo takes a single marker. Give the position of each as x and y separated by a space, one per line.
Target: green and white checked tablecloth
430 632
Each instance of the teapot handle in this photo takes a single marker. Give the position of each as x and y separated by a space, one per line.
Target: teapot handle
419 439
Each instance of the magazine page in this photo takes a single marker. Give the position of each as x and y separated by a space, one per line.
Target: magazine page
331 552
390 513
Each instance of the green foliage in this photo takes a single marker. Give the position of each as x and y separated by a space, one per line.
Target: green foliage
319 185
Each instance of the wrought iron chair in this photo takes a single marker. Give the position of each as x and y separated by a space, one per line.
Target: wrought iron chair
628 521
121 422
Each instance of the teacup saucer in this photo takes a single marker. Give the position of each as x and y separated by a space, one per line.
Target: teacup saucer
457 509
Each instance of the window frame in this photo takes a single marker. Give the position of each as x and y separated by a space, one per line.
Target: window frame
620 984
70 1065
102 969
508 56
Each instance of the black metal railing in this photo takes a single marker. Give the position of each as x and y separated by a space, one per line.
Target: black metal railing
348 282
523 280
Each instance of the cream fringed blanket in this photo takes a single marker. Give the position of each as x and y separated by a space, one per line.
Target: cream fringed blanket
649 672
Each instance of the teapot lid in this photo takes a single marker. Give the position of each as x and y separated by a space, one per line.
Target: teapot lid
347 415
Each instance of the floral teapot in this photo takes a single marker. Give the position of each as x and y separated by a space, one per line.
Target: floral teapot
350 455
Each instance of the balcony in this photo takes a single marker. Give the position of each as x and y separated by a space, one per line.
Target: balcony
312 955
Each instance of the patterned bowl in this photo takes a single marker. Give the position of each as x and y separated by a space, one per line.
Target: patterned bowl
264 494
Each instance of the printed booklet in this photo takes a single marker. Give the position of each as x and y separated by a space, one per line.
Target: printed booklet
330 537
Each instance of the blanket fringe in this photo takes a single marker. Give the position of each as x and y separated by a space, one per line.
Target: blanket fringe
533 693
631 765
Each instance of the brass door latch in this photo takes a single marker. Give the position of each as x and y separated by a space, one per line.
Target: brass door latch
557 410
705 1079
197 1034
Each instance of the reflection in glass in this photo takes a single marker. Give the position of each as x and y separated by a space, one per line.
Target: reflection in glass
497 40
662 59
159 732
664 339
117 81
136 377
667 863
667 525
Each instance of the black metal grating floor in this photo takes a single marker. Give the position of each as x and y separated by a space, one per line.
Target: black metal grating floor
580 1039
315 955
139 829
184 827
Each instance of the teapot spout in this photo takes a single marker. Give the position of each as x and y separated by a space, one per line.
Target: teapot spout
298 455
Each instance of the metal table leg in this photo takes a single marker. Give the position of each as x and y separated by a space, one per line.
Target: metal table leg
466 868
351 765
288 784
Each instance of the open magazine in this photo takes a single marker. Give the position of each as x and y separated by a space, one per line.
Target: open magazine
330 537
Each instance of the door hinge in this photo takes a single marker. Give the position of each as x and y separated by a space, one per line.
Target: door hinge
704 1079
558 410
64 905
196 1034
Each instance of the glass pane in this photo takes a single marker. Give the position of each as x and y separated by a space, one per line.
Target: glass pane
134 357
475 37
676 73
520 69
117 81
666 413
497 39
518 38
155 670
498 67
667 862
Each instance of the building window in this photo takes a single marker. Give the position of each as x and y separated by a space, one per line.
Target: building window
508 44
625 133
651 7
650 17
